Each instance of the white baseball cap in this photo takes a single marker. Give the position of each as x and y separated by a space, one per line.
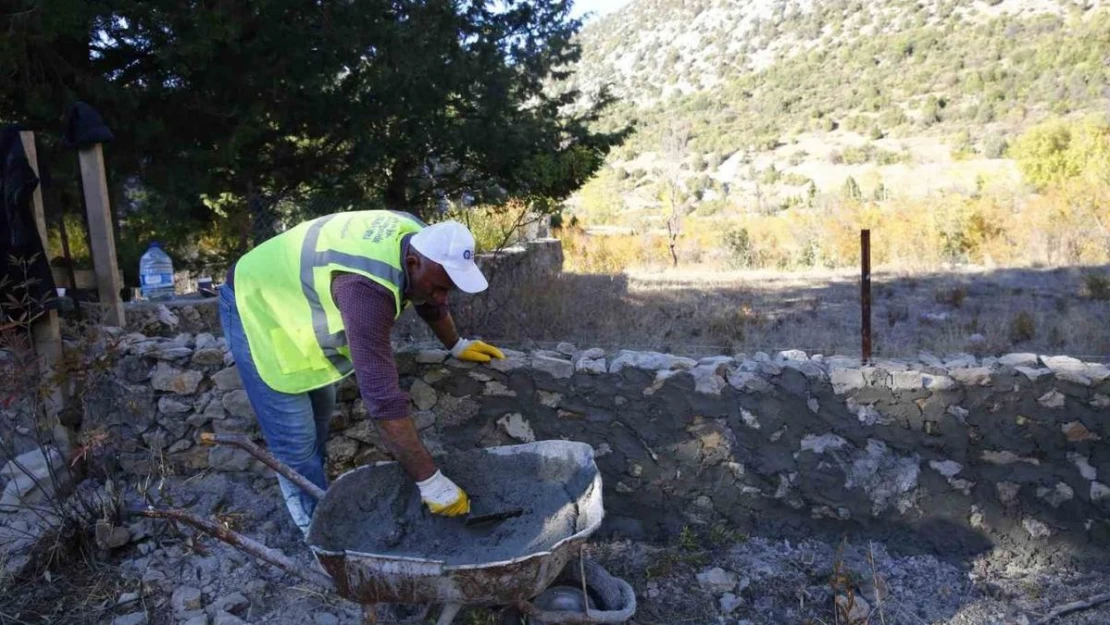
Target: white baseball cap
450 244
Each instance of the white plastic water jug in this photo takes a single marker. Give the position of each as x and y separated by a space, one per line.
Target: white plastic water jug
156 273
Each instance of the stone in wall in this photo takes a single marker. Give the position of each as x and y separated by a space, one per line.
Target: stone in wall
171 318
760 442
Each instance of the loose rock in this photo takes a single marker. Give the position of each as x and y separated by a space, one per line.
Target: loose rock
555 367
185 599
854 609
223 618
729 602
169 378
432 356
233 603
423 395
135 618
516 427
228 379
717 580
237 404
207 357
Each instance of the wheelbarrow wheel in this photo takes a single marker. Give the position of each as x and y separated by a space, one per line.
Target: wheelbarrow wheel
606 599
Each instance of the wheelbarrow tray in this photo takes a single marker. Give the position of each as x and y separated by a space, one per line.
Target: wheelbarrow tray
371 578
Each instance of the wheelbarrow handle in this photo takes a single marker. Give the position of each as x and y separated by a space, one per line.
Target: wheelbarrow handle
209 439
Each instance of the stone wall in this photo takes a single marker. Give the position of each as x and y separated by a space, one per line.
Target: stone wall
950 455
193 314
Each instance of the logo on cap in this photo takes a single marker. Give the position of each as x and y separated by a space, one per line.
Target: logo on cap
467 254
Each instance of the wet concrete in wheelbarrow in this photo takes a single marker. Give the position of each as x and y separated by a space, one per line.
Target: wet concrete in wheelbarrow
378 510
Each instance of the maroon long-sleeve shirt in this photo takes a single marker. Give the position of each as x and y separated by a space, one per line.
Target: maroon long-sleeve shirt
368 309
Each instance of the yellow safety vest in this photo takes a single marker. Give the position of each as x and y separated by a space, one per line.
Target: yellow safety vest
283 293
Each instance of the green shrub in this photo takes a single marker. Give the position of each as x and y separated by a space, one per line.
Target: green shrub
738 243
994 145
851 189
771 175
1055 152
856 155
794 179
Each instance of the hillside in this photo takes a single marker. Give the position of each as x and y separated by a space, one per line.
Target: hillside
784 99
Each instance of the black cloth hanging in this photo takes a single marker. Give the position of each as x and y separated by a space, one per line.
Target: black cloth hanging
84 127
26 284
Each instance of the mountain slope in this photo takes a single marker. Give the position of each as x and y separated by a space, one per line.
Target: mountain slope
656 48
781 99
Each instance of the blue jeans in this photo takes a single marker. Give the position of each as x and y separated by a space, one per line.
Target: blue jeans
295 426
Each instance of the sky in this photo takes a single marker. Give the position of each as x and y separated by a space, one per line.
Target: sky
599 7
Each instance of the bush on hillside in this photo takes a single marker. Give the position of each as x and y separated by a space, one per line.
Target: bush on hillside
1056 152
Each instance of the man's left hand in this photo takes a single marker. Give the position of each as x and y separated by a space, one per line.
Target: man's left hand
475 351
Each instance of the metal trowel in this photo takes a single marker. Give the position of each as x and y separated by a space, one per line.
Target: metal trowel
475 520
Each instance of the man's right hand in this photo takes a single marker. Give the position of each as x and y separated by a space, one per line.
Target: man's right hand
442 496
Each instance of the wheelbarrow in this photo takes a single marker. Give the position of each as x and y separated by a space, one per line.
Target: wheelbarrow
520 584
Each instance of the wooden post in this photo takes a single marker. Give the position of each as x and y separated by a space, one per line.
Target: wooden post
865 293
101 238
45 331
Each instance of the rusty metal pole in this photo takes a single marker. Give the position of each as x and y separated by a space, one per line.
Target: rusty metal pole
865 292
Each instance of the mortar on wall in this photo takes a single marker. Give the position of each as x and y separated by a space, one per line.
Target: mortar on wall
949 456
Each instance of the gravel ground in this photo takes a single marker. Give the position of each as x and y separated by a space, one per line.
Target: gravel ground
706 576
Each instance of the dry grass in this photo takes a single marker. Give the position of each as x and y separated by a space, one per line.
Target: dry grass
1023 327
1065 226
1096 285
86 592
953 297
704 312
843 582
1021 271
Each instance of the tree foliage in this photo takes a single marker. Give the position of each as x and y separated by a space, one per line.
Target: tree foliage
247 113
1057 152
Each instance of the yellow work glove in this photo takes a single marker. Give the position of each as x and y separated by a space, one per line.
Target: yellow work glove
442 496
475 351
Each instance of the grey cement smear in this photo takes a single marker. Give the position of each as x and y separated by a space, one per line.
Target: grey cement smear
378 509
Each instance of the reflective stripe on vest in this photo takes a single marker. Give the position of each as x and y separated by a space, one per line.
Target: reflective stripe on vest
281 351
311 258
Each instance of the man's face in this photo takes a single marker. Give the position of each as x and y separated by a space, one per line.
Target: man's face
428 281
